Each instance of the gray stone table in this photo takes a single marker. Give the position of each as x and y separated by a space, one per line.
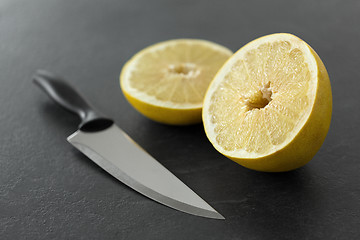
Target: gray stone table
48 190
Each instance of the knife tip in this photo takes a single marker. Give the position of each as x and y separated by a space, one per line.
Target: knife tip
212 214
219 216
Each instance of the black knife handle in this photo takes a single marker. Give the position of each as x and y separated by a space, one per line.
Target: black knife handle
66 96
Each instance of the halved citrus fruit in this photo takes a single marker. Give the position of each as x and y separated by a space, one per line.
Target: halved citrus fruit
269 106
167 81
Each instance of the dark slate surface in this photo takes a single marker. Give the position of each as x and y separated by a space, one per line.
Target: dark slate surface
48 190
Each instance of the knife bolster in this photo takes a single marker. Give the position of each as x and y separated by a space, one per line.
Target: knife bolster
94 123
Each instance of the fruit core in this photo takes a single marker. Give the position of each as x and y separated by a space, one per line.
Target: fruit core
184 69
260 98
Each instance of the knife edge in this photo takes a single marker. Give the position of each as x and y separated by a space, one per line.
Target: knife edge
146 191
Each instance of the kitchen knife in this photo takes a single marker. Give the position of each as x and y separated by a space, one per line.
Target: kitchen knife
113 150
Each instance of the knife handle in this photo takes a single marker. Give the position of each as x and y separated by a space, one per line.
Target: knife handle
66 96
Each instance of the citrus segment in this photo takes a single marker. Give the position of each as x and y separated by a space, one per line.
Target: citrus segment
167 81
263 100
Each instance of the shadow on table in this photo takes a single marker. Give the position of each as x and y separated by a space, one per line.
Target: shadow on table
273 205
268 205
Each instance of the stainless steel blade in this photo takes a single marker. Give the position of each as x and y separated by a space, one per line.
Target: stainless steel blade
115 152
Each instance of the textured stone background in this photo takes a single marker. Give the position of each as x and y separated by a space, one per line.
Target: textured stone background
48 190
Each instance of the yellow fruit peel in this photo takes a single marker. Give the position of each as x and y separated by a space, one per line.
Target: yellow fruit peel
269 107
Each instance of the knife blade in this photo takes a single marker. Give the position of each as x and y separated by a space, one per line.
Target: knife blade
112 149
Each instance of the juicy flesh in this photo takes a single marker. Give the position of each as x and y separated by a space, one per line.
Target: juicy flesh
178 73
262 98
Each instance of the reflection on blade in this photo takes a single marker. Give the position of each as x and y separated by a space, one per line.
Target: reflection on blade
117 154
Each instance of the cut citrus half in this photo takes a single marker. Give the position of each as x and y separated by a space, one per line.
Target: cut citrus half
167 81
269 106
